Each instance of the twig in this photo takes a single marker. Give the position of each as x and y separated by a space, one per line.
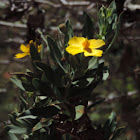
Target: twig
130 6
49 3
130 38
75 3
91 6
3 90
130 93
4 61
10 24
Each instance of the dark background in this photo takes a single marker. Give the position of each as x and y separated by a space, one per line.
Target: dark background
19 20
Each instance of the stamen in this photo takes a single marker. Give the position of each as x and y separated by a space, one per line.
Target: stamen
86 46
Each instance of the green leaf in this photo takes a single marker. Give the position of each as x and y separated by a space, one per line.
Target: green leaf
44 39
105 75
117 133
14 120
92 62
23 102
27 117
69 33
22 122
107 19
55 52
54 49
17 82
88 27
36 83
42 50
79 111
52 76
17 130
37 126
46 112
41 124
34 53
85 84
28 87
44 79
116 32
110 125
66 137
42 36
12 136
96 103
112 6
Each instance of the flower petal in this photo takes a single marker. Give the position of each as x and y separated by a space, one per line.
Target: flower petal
76 41
96 43
21 55
39 48
24 48
94 52
31 41
74 49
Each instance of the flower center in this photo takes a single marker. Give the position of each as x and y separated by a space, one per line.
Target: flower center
85 45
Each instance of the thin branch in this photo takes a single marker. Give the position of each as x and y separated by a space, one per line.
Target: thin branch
130 6
91 6
10 24
75 3
49 3
4 61
112 99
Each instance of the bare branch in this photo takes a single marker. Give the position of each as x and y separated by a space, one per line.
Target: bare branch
10 24
75 3
49 3
130 6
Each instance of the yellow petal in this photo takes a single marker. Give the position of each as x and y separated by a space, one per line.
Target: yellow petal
74 49
96 43
21 55
94 52
24 48
76 41
31 41
39 48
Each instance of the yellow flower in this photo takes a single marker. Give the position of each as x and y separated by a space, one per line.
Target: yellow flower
83 45
26 49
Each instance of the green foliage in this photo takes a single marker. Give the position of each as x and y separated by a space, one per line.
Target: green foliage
54 95
68 33
34 53
107 18
79 111
110 125
88 27
109 23
17 82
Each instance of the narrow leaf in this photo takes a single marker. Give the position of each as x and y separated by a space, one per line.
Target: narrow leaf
17 130
68 34
34 53
36 83
117 133
110 125
116 32
79 110
17 82
88 26
46 112
96 103
92 62
54 50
